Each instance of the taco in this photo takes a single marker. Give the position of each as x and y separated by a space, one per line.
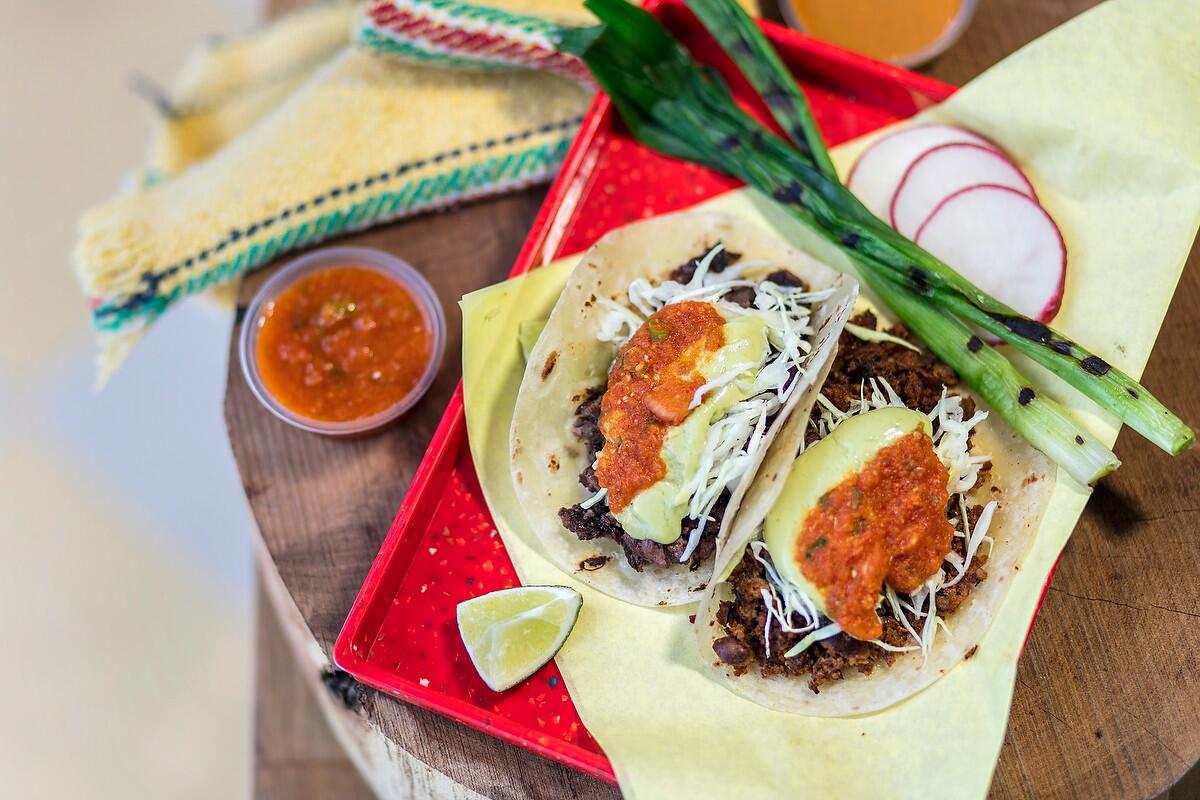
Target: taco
877 563
669 365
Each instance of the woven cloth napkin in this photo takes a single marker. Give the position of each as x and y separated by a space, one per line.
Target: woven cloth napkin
295 133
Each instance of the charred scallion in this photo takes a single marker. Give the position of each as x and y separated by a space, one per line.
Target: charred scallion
761 65
679 108
1088 373
1037 417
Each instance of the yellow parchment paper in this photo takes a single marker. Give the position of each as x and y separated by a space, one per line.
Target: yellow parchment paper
1103 114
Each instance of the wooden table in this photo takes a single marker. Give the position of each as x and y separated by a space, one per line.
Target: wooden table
1107 703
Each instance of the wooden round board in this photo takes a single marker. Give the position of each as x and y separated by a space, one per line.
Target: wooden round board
1107 703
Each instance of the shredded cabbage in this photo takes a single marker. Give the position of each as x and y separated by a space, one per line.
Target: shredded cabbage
596 498
826 632
784 600
792 610
872 335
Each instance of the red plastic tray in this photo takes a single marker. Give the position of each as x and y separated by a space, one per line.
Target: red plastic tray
401 636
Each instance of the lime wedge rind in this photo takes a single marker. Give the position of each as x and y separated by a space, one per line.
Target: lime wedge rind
510 634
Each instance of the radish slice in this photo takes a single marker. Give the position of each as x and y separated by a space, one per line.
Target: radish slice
1004 243
878 171
942 171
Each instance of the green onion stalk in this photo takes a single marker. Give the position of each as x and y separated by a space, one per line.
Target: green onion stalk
673 105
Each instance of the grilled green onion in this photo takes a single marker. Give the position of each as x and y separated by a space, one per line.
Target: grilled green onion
1088 373
676 107
1036 416
758 61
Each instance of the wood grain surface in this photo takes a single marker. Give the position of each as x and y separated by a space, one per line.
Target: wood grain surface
1107 703
295 753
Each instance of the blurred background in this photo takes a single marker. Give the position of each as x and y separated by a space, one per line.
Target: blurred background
135 680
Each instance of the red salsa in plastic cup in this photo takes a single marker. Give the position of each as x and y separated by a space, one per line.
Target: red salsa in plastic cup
343 340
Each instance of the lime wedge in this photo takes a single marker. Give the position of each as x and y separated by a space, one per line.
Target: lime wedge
509 634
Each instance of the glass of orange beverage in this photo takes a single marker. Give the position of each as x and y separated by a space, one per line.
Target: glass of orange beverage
903 32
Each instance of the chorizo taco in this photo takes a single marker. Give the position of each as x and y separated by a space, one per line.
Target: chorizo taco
670 363
877 563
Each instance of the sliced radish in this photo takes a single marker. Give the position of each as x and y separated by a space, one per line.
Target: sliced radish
1004 243
878 171
942 171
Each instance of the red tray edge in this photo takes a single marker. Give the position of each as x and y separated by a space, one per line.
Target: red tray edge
446 442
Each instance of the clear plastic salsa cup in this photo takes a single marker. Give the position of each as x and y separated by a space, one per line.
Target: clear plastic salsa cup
363 257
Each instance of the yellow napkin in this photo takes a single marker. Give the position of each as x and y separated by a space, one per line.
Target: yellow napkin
1103 113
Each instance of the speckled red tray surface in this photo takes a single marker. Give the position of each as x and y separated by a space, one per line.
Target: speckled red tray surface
443 548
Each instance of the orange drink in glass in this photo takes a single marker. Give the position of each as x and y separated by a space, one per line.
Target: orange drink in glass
904 32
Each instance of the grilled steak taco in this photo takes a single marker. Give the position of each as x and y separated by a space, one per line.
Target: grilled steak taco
669 365
877 563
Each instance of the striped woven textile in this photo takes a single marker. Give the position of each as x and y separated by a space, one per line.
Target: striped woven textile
461 35
312 145
331 120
